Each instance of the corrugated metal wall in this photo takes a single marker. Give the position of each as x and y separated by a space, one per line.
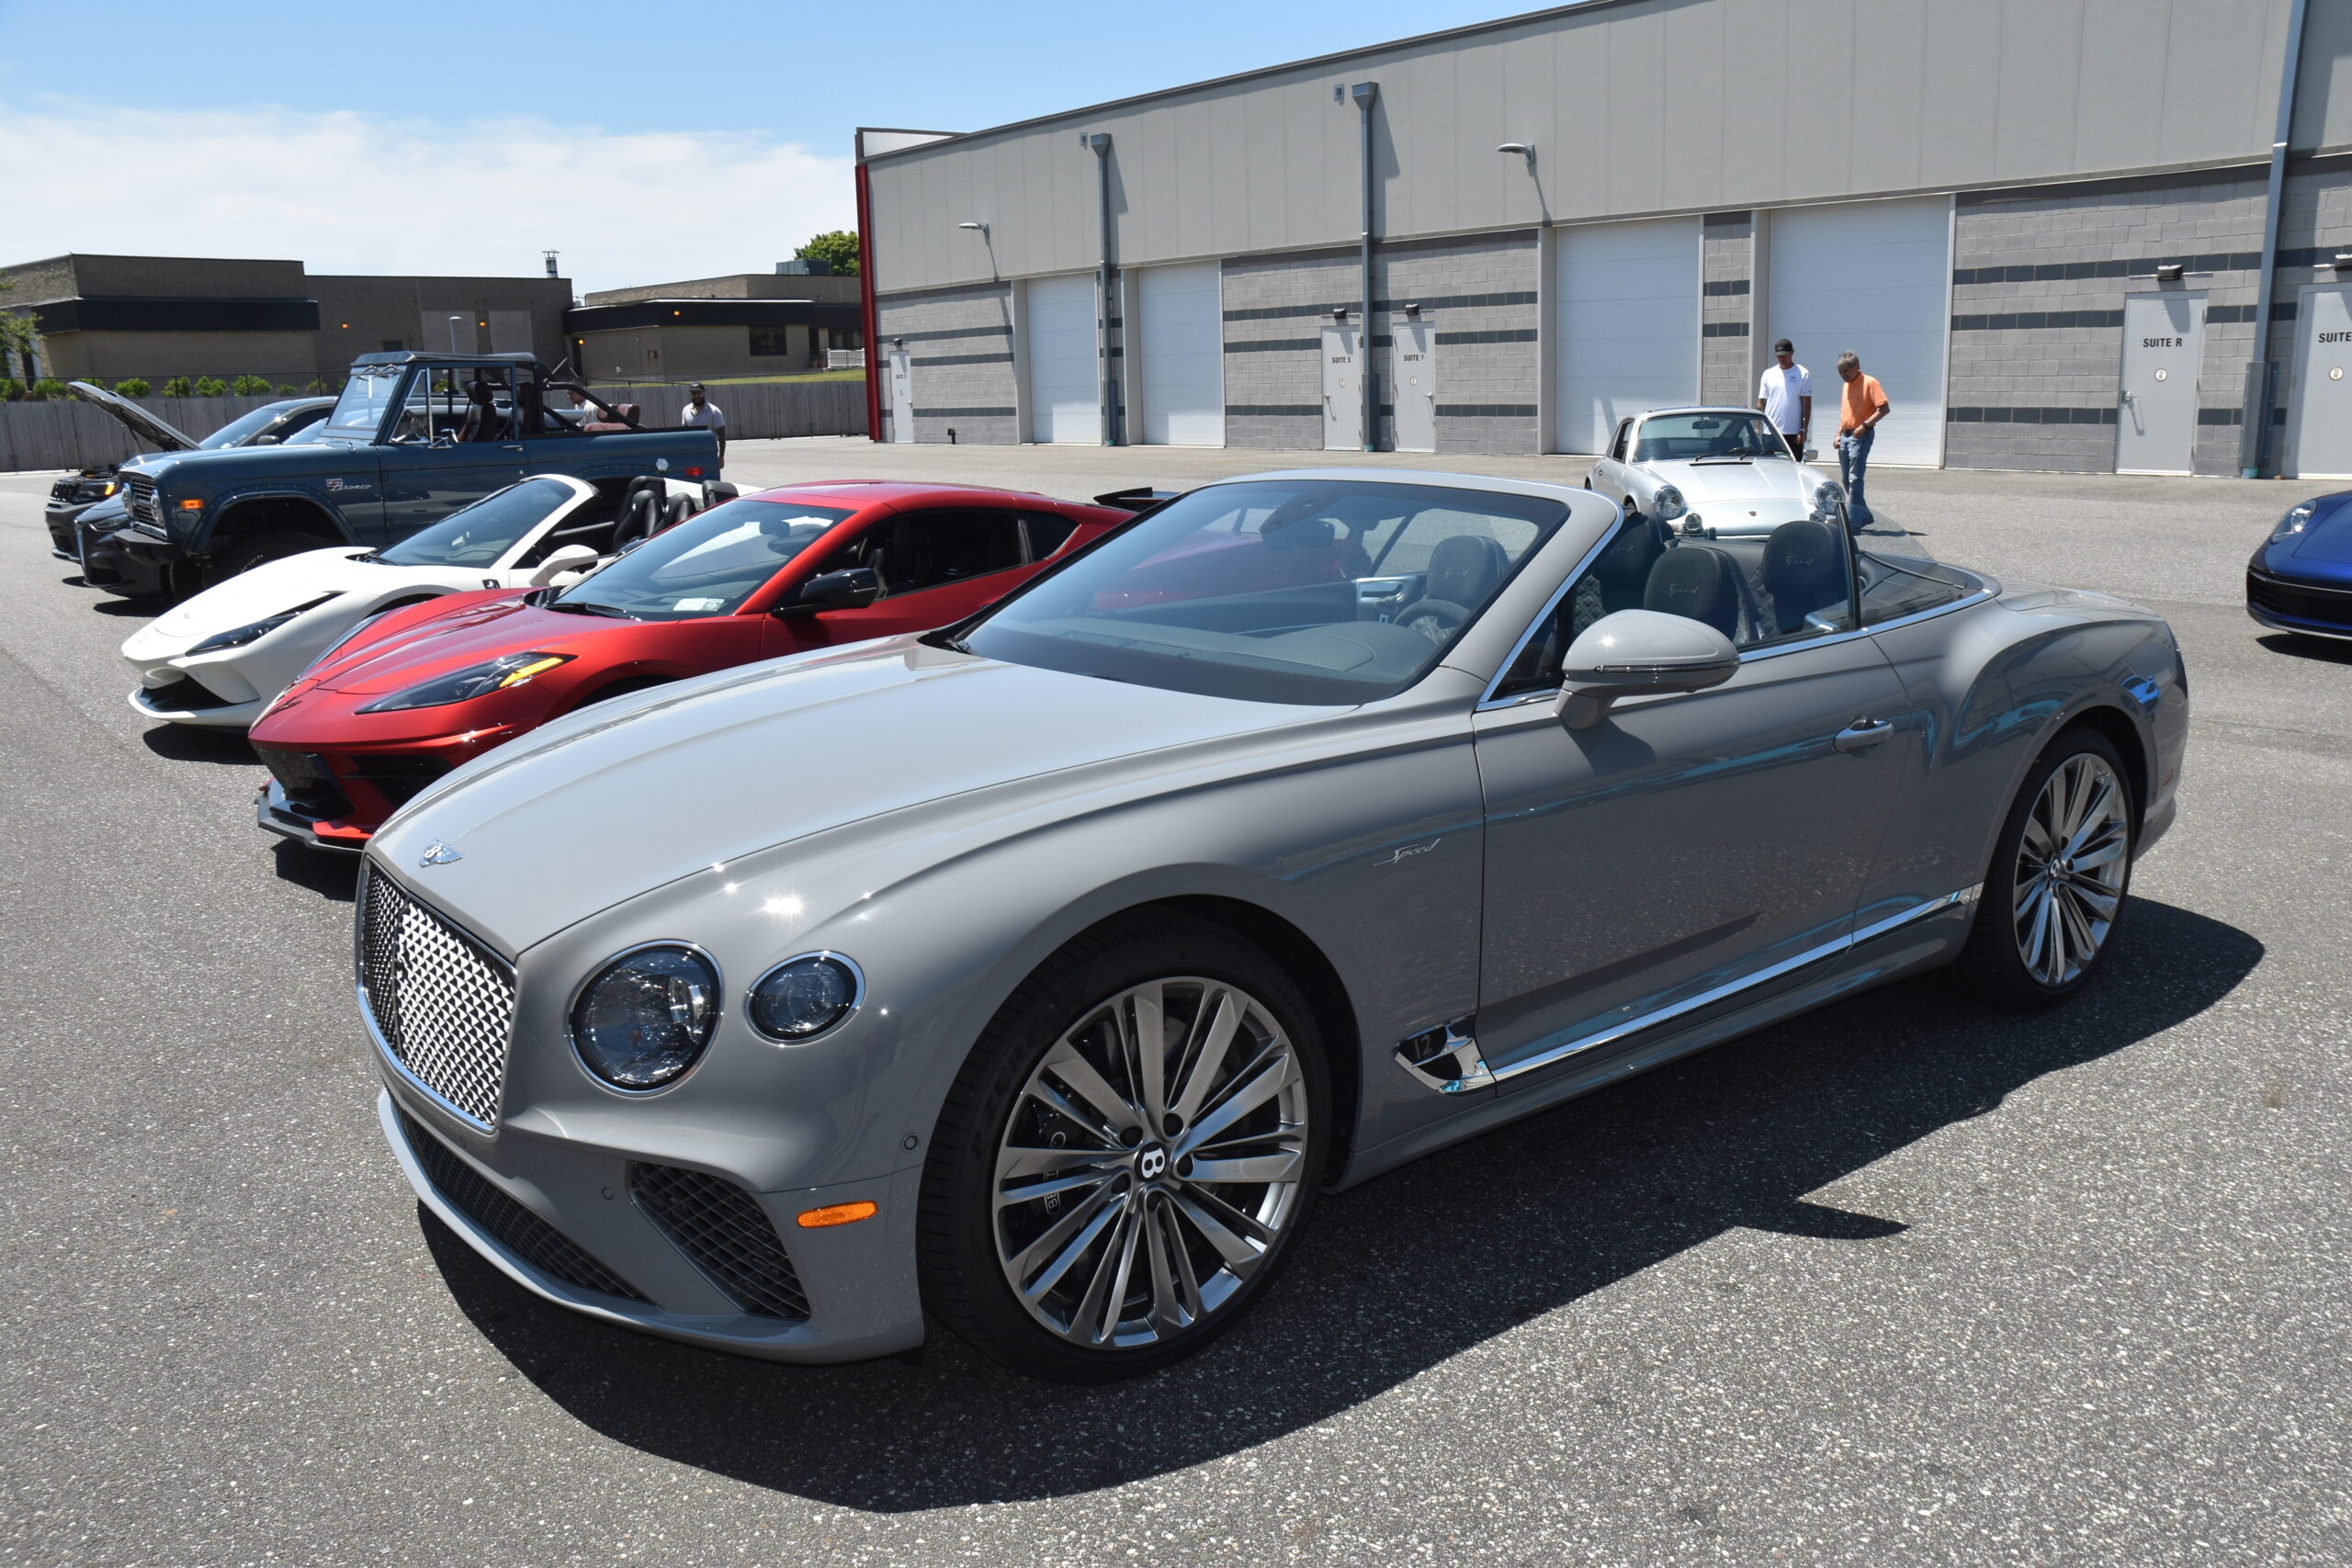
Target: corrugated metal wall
1636 106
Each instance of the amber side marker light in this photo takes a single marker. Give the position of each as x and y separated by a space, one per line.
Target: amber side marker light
191 505
836 1214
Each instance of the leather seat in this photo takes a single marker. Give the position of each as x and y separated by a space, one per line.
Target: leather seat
1698 583
1463 570
1804 570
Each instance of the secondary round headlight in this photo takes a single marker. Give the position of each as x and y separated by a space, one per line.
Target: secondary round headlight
645 1017
1669 504
2294 523
802 997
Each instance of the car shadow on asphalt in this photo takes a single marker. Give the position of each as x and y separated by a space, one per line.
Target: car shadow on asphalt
1394 1277
187 744
2323 650
324 872
126 609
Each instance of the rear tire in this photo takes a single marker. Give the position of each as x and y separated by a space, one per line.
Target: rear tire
1129 1252
246 551
2061 872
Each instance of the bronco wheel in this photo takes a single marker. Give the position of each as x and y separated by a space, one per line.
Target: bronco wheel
246 551
2058 879
1127 1155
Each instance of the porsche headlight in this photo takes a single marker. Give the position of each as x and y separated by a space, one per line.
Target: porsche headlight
1668 504
802 997
256 630
1829 496
644 1018
2294 523
474 681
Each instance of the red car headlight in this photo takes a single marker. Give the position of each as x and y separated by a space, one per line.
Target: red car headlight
474 681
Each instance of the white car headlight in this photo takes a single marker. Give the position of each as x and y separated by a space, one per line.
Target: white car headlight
2294 523
802 997
644 1018
255 630
1829 496
1667 504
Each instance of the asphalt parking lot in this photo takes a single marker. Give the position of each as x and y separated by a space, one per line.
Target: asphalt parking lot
1902 1282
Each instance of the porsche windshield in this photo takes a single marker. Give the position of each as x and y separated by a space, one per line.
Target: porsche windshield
360 409
1668 437
1286 591
707 565
479 533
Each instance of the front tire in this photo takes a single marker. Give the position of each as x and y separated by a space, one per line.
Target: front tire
2061 869
247 551
1129 1153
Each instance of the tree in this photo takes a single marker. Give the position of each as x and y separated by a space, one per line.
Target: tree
212 387
251 386
19 335
838 246
178 387
133 388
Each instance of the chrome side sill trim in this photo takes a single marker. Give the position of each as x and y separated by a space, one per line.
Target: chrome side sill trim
1962 897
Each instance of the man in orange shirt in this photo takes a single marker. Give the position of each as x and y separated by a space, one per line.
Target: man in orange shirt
1863 404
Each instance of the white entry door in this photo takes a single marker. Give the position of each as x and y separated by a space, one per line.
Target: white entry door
2323 393
1415 388
2164 347
1065 392
902 396
1873 276
1182 340
1342 393
1628 325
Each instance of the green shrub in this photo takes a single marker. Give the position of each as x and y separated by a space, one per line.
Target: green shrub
51 387
133 388
212 387
249 386
11 390
288 390
317 387
178 387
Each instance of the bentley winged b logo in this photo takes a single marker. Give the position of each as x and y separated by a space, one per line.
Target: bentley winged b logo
438 853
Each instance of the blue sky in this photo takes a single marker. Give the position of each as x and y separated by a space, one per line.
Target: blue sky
418 135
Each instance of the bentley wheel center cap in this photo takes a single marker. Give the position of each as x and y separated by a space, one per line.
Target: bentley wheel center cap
1151 1162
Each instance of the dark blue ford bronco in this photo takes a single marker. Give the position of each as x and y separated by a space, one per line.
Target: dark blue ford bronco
412 437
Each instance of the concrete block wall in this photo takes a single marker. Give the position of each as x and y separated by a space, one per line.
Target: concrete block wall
960 341
1275 309
2038 282
1727 349
1479 294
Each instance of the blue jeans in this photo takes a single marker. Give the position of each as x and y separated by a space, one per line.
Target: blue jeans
1853 461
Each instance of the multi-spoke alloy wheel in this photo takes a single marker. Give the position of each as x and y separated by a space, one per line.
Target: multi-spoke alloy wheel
1151 1162
1129 1152
2058 875
2071 864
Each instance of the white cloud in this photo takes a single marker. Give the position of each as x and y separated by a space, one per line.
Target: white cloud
370 193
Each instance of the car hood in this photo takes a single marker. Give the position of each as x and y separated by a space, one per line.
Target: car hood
244 464
270 589
160 436
1722 484
605 805
472 629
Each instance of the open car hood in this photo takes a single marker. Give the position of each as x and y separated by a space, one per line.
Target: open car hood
159 437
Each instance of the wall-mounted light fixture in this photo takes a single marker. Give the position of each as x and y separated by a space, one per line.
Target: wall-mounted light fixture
2172 274
1413 311
1524 148
981 228
2342 261
1340 315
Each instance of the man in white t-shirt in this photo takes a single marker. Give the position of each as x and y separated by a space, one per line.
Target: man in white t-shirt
701 413
1786 397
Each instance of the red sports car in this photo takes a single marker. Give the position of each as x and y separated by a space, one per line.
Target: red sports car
411 694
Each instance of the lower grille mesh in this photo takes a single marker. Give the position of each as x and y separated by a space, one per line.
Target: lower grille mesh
724 1234
2297 603
539 1243
442 1002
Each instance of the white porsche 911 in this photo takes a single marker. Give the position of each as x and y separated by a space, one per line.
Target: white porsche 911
224 655
1719 470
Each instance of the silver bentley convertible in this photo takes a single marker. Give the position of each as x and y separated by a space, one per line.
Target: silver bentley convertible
1041 972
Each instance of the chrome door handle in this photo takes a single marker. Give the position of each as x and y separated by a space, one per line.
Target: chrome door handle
1864 734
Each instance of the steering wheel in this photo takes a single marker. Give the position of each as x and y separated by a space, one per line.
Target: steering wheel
1435 619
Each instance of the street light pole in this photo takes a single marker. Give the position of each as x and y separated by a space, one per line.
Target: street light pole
453 333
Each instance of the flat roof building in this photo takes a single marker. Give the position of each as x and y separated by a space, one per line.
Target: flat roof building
2056 233
742 325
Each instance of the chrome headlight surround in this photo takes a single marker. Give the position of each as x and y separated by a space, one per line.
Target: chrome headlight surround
1828 501
769 996
693 1013
1667 503
2294 523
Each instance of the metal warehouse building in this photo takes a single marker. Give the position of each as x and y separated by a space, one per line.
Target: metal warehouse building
2053 229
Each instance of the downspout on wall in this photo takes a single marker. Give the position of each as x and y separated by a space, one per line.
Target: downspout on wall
865 306
1106 377
2261 372
1365 95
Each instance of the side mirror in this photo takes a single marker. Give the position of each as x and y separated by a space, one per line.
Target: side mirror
268 440
1635 652
852 588
562 559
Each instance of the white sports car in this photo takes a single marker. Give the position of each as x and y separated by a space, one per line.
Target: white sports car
224 655
1713 470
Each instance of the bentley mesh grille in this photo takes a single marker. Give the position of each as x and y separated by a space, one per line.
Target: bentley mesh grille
444 1003
522 1231
724 1234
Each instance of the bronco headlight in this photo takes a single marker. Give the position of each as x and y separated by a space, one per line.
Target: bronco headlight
802 997
1668 504
2294 523
644 1018
475 680
256 630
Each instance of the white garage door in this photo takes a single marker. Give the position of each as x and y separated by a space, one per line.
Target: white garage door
1065 397
1183 343
1871 276
1628 324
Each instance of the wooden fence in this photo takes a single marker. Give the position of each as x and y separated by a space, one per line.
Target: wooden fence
73 435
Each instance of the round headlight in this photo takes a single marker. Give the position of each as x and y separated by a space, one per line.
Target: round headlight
802 997
1669 504
1827 496
645 1017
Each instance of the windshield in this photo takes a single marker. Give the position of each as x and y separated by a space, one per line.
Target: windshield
709 565
479 534
237 430
1668 436
360 409
1284 591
